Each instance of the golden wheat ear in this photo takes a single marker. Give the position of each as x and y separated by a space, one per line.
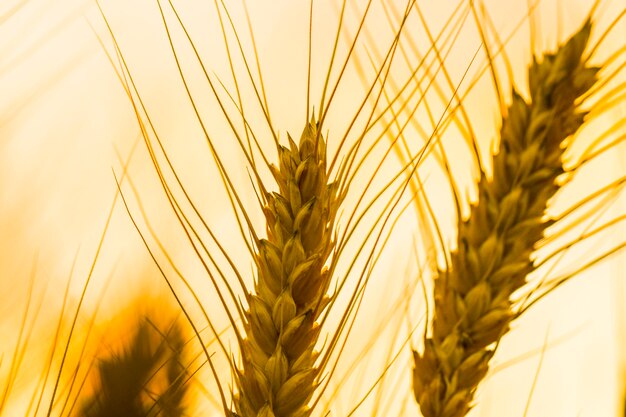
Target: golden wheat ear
278 374
472 297
125 379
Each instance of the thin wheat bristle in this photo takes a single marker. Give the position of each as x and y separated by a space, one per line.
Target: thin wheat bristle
278 375
473 307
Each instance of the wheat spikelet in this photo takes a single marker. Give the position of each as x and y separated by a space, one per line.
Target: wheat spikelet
473 307
278 376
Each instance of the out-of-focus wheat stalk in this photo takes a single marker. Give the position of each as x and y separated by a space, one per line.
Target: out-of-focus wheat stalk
126 377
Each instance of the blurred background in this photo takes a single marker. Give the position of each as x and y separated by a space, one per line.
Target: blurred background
69 134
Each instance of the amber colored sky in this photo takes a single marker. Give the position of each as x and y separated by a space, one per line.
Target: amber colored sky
65 122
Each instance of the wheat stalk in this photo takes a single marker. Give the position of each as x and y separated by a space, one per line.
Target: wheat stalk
473 307
278 373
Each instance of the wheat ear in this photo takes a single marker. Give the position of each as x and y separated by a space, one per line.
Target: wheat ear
279 375
473 307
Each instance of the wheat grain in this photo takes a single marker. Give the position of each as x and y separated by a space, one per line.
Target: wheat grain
278 375
473 307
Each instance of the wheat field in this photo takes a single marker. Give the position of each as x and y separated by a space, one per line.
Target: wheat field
312 208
